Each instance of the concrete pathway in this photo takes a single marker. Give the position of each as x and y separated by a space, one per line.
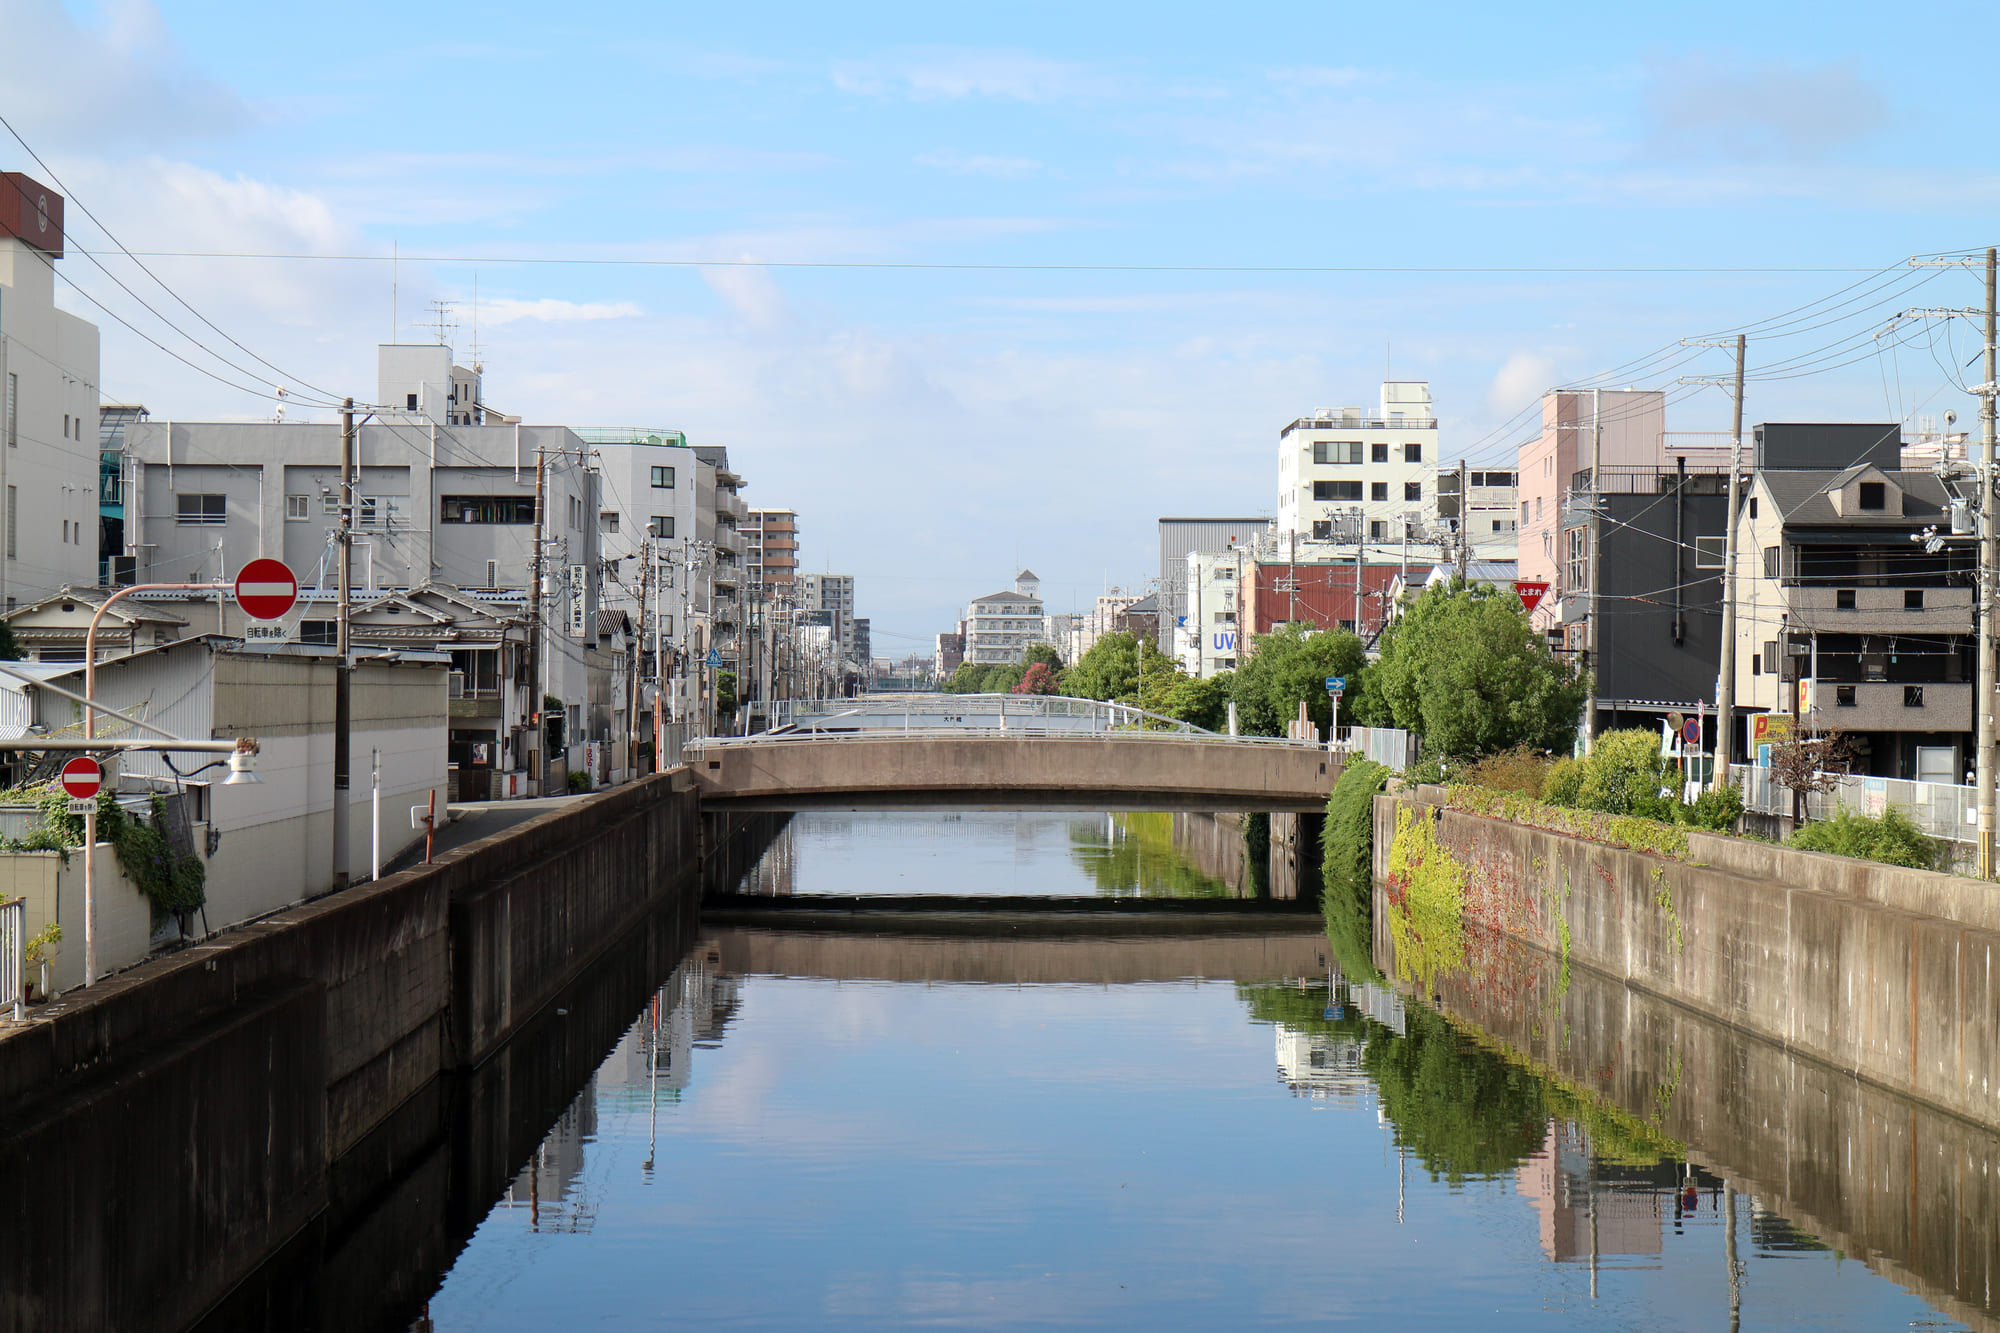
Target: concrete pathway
472 820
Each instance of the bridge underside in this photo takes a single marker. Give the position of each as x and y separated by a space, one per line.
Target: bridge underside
1014 798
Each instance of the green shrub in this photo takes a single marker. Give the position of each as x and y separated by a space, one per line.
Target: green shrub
1891 838
1623 775
1561 782
579 781
1347 856
1718 809
1519 769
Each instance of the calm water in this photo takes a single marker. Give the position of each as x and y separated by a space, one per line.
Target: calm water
1267 1146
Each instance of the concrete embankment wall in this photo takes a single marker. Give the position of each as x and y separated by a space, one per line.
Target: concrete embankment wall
1890 974
1214 844
1907 1189
167 1127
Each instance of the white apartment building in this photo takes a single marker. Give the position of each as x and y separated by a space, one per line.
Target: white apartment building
48 407
834 594
1205 640
1341 466
1001 626
1491 521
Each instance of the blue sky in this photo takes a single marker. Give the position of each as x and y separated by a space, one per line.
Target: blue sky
936 425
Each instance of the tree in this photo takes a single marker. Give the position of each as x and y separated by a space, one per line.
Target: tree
1002 677
1464 670
1173 693
1288 667
1037 679
1810 764
1110 670
966 679
1045 654
10 647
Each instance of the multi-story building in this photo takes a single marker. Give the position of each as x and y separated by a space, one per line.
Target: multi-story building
832 593
1180 537
439 508
771 547
1000 626
113 565
1344 474
1845 621
1490 523
48 407
1205 640
1110 615
949 653
1282 579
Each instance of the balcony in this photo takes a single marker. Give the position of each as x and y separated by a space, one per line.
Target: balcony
730 505
1838 610
1888 705
1346 419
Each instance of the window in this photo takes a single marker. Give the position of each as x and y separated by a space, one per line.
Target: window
1378 490
513 509
1413 453
1496 525
1336 490
1538 507
1524 511
10 522
13 422
575 512
410 401
1378 453
1225 617
1770 562
65 425
607 521
1843 599
1913 695
1225 573
1843 696
1326 451
1322 529
1377 530
326 633
202 511
1770 657
1708 552
1413 490
65 522
661 526
663 478
1913 599
374 511
1753 506
298 507
1873 495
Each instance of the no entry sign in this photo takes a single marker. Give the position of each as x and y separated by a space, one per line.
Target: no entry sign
81 777
266 589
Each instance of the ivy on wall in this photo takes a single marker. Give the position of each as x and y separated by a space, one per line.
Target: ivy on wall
173 884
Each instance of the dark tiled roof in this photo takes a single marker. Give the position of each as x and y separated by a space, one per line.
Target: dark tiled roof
1802 498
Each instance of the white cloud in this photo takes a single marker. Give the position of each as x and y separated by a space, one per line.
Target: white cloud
1524 376
548 310
1004 75
980 164
120 81
1698 107
751 292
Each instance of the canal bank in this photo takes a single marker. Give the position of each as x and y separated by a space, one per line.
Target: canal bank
1882 972
174 1123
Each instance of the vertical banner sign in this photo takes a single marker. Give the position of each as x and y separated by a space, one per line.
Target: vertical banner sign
579 577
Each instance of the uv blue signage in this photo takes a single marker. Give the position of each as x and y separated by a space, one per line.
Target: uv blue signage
1225 641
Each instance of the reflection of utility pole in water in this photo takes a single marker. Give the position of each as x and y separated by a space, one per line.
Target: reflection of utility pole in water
653 1085
1729 1256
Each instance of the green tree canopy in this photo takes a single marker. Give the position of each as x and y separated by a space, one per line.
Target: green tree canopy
1043 653
1463 669
966 679
1110 670
1289 665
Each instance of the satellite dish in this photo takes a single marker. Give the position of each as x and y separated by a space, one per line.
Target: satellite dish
1950 419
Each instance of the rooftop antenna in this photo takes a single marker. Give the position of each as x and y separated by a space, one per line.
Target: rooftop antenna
395 274
441 317
478 352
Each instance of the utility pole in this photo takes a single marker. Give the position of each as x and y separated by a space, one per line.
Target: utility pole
1464 521
1725 681
1360 559
1591 570
1989 558
539 767
343 667
634 693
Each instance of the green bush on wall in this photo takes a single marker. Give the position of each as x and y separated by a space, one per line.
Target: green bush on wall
1347 856
1892 838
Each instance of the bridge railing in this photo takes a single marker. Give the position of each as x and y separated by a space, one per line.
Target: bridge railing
993 711
871 735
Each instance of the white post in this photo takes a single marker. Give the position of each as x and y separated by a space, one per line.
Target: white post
89 892
375 814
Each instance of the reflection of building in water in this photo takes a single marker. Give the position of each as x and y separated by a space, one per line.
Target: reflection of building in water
1313 1064
551 1185
1582 1218
1381 1003
776 871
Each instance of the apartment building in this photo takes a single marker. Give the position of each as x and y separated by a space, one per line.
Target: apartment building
1000 626
1489 518
1205 639
833 594
1344 473
771 548
48 407
1179 538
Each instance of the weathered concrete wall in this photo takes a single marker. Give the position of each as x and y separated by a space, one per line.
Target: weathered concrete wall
1824 955
1911 1191
429 970
1096 772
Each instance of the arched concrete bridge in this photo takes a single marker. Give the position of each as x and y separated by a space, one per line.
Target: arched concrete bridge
940 768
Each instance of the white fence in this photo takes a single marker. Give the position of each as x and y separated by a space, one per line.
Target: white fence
14 955
1389 746
1941 809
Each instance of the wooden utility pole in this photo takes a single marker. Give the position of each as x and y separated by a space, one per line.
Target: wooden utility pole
1725 681
1591 570
1464 524
343 667
536 694
634 693
1989 558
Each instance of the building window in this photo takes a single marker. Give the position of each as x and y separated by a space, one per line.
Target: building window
1708 552
1913 599
202 511
1524 511
298 506
1378 453
374 511
10 526
1413 490
1322 529
1377 530
1843 599
1336 490
1378 490
1413 453
13 419
325 633
512 509
1913 696
410 402
661 526
1770 657
1225 617
607 521
1843 696
663 478
1538 508
1753 506
1770 562
1874 495
1328 451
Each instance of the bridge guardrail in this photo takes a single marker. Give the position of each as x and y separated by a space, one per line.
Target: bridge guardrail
861 736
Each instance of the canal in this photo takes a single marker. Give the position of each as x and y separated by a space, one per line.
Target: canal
1188 1119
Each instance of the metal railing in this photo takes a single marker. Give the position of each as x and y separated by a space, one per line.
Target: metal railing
1011 712
1940 809
1390 746
863 736
14 955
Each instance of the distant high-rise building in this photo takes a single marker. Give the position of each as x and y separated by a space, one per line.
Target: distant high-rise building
772 555
1000 626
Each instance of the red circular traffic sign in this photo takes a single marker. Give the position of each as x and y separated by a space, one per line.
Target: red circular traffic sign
81 777
266 589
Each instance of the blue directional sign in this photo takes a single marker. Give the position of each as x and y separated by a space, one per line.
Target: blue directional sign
1336 684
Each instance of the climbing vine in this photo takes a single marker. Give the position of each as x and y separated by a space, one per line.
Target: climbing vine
173 884
1426 892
